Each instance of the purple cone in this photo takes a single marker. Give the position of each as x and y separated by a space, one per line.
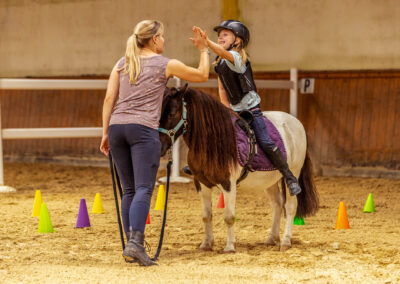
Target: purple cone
83 217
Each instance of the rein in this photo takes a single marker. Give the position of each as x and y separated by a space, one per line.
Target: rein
171 133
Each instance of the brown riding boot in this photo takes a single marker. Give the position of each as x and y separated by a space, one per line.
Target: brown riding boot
134 249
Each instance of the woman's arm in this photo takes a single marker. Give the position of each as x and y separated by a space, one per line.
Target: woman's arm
180 70
222 94
109 102
199 74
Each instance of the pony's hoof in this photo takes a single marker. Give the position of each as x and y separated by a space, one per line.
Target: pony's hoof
229 249
272 242
206 246
285 247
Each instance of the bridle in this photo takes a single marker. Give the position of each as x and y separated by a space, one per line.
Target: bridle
183 122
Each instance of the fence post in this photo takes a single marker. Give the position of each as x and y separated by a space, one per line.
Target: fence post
3 188
293 92
1 152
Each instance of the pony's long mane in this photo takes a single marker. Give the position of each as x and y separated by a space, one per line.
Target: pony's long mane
211 137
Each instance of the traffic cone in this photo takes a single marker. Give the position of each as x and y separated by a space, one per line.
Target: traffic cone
45 225
160 202
298 221
97 205
83 217
148 219
37 204
369 204
221 203
342 222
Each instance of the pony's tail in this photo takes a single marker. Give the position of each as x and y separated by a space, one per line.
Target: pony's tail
307 200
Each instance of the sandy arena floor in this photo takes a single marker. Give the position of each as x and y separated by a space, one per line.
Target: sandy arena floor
369 252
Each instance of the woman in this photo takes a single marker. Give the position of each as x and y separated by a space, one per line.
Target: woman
131 115
237 89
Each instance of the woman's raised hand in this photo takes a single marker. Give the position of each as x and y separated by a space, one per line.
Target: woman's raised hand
199 38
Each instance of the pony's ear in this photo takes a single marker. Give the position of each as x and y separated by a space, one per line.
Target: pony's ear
168 92
183 90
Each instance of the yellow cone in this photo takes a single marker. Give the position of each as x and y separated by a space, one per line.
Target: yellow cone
97 205
369 205
160 202
37 204
45 225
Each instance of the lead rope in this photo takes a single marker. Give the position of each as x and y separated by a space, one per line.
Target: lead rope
165 207
114 176
116 198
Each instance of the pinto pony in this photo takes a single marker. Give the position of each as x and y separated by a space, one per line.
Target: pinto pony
210 136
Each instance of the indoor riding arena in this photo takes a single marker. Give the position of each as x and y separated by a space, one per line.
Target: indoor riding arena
333 64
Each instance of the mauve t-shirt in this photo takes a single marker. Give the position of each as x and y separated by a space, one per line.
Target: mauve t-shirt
141 102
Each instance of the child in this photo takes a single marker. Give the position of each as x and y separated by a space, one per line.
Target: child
237 89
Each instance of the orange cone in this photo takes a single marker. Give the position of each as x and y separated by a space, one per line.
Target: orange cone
221 203
148 219
342 222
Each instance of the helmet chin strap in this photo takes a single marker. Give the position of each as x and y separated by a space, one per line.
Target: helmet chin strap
232 45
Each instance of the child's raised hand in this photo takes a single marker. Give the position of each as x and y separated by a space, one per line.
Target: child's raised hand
203 33
199 38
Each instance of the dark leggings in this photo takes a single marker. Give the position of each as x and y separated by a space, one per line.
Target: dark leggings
136 152
260 131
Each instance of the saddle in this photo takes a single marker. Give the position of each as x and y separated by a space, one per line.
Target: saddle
250 156
244 121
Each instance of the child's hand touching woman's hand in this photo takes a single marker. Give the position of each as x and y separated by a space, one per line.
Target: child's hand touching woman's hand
199 38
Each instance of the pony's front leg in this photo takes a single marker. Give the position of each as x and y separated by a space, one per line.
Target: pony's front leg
205 195
229 190
291 208
276 201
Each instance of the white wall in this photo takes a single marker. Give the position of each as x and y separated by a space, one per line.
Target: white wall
323 34
60 37
78 37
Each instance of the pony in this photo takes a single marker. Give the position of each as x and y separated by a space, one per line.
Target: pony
209 134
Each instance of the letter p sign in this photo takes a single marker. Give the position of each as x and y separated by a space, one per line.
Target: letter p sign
307 86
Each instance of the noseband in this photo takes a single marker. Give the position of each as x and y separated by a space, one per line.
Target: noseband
183 122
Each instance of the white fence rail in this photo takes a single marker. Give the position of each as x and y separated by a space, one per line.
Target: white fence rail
80 132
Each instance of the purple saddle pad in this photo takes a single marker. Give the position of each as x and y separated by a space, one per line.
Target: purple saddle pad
260 161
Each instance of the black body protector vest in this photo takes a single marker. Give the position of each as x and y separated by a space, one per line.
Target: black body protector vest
235 84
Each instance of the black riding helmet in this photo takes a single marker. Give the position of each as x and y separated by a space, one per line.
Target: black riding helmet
238 29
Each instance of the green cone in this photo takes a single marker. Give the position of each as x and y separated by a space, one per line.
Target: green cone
369 204
45 225
298 221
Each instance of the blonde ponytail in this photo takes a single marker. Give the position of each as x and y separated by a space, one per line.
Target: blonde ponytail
244 55
143 33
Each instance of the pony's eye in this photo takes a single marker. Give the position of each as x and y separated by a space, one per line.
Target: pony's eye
171 115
